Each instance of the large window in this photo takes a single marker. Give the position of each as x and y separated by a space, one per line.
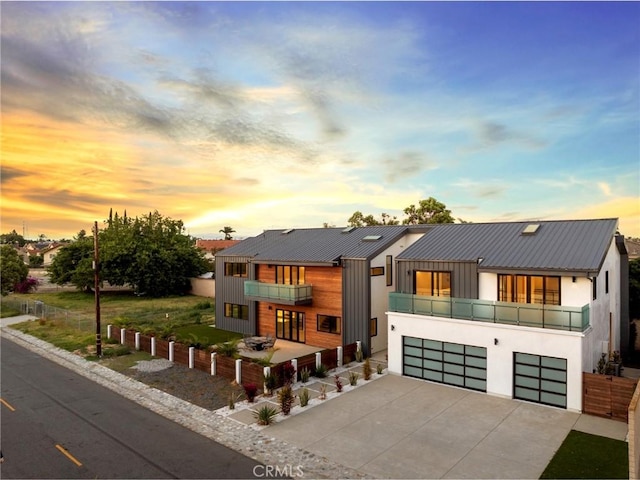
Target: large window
389 270
235 269
377 271
529 289
234 310
433 284
290 325
328 324
289 275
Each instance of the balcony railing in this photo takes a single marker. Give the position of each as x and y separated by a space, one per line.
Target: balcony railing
573 319
278 293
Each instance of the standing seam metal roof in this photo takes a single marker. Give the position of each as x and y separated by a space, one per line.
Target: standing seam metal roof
316 245
573 245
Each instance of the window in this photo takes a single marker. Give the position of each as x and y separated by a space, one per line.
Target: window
236 311
606 281
594 286
377 271
373 327
290 325
433 284
389 270
529 289
289 275
328 324
235 269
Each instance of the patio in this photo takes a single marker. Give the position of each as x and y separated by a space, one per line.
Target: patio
282 350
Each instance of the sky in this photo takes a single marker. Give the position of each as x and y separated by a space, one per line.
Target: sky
261 115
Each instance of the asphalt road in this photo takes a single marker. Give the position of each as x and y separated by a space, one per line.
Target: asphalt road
57 424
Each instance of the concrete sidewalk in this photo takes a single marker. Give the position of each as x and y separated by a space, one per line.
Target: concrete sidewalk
398 427
13 320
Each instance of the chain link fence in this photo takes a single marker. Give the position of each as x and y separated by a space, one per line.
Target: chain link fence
47 312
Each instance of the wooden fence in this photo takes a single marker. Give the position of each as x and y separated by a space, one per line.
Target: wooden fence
251 372
607 396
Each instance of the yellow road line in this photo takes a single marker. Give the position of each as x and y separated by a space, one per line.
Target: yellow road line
6 404
68 455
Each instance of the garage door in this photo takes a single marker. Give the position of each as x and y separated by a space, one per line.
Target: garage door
450 363
540 379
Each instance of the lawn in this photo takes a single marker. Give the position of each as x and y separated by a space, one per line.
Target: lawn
583 455
71 324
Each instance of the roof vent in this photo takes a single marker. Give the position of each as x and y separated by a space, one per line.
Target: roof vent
348 230
531 229
371 238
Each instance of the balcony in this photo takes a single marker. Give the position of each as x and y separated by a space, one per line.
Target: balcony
572 319
278 293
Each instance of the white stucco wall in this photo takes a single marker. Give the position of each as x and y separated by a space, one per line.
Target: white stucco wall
380 291
547 342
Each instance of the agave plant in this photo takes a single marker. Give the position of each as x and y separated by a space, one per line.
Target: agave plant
265 414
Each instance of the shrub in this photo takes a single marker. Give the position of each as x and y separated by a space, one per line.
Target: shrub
266 360
323 391
228 349
366 370
250 390
379 369
304 397
338 381
286 398
359 356
353 378
28 285
304 375
320 371
202 305
265 415
288 373
270 383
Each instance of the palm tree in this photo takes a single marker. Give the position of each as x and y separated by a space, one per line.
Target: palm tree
227 232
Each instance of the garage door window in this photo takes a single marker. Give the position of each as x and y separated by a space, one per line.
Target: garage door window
443 362
540 379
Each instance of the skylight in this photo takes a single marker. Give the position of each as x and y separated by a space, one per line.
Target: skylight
371 238
286 232
531 229
348 230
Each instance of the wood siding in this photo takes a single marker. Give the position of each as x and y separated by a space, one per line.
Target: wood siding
327 300
607 396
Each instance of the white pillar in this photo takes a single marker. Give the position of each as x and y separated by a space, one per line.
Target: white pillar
339 356
213 363
266 372
294 364
239 371
192 352
171 350
153 346
318 359
122 334
137 340
109 331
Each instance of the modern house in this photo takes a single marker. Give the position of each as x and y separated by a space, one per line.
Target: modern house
325 287
518 309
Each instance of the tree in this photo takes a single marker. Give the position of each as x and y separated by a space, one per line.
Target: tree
227 233
428 211
13 238
151 253
74 264
12 269
359 220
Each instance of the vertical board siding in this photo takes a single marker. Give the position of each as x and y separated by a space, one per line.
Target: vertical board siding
464 276
357 303
231 290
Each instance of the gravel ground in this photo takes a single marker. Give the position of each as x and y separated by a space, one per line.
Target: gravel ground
194 386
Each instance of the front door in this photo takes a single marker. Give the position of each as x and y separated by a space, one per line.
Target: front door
290 325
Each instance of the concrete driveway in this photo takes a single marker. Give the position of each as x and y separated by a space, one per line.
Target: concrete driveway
398 427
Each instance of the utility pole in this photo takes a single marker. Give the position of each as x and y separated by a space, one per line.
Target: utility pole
96 288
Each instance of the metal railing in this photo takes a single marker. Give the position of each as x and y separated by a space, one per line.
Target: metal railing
573 319
278 292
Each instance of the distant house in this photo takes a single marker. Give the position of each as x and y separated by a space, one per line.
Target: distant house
211 247
633 247
321 286
49 253
515 309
